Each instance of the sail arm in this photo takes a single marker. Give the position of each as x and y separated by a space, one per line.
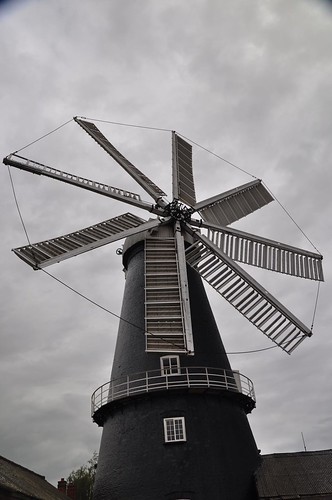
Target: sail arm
182 171
232 205
46 253
184 288
246 294
152 189
76 180
264 253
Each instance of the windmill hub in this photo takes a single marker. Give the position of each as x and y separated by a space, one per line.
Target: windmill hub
179 211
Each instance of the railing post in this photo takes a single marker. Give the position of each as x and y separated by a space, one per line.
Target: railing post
147 381
207 377
127 385
188 379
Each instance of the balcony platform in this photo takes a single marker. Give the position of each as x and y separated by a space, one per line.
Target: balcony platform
216 381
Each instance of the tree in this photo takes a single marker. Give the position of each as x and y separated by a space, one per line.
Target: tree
84 477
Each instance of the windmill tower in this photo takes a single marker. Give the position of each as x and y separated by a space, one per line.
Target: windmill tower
174 412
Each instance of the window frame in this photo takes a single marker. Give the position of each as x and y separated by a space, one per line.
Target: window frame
168 370
169 433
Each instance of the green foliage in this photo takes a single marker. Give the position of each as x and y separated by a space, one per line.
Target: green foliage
84 477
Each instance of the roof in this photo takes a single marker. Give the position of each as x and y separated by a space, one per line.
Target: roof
295 475
17 479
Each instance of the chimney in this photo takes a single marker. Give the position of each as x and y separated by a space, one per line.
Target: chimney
71 491
62 486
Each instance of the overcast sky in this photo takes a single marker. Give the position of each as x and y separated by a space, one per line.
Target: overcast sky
250 81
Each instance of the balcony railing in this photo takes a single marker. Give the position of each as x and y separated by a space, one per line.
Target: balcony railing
158 380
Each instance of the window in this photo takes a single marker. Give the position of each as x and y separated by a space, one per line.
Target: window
170 365
174 429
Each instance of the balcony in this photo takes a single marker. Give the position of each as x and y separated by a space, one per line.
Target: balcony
198 379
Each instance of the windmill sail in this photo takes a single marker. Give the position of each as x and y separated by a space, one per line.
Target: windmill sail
234 204
167 309
45 253
183 182
267 254
246 295
76 180
167 323
184 287
154 191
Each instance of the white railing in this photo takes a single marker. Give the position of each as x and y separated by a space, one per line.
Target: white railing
157 380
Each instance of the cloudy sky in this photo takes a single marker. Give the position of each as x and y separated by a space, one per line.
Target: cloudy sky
250 81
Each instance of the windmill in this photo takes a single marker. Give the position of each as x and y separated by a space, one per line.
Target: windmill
171 376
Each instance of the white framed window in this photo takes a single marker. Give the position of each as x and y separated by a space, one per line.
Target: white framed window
170 365
174 429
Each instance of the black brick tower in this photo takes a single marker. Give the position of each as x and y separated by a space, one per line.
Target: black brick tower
218 457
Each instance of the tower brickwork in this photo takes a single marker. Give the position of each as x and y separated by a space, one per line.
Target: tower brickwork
218 455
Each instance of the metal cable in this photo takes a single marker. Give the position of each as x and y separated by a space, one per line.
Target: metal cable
17 205
254 350
315 307
291 218
43 136
217 156
126 124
